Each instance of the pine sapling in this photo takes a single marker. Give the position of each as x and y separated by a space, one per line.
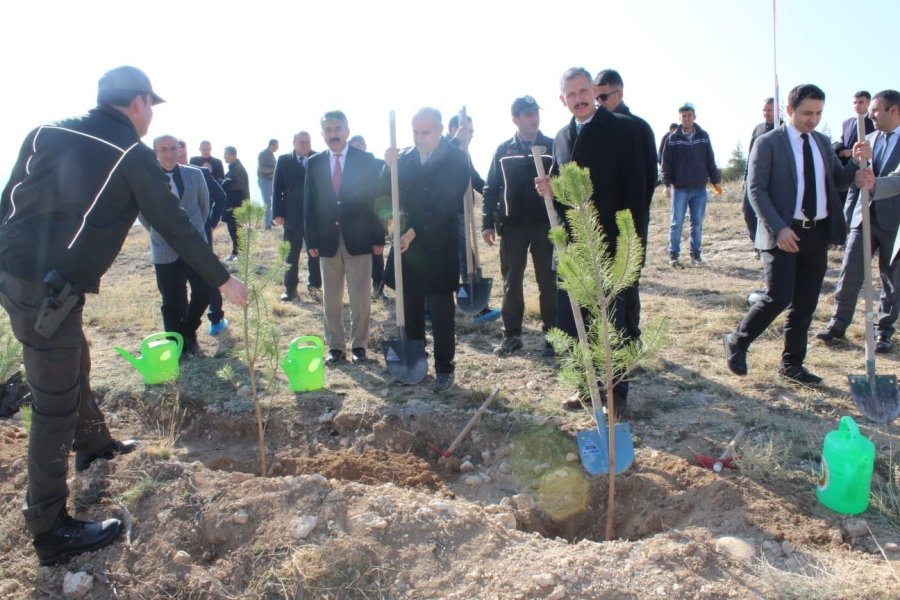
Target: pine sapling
260 346
594 276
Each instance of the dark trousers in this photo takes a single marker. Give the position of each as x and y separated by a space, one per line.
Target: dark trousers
567 324
180 314
215 313
632 295
377 270
517 240
461 248
443 324
228 218
64 414
292 274
794 281
749 217
851 279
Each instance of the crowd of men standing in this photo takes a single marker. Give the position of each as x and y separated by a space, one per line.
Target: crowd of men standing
333 202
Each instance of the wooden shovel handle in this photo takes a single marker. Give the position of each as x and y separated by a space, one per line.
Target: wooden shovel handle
462 434
867 251
536 153
395 213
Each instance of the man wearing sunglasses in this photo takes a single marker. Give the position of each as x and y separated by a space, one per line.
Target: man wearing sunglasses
608 89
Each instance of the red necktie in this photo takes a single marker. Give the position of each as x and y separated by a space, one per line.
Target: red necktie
336 174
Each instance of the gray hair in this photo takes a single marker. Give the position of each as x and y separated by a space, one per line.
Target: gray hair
572 73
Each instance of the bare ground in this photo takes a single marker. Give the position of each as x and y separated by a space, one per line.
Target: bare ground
357 505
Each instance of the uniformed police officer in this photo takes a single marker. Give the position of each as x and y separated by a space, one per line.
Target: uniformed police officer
74 193
515 211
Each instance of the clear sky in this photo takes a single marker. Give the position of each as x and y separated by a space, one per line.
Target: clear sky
241 72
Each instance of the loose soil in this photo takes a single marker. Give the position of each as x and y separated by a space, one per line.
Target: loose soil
357 503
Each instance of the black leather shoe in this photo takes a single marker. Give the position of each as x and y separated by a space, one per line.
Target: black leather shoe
884 345
84 459
288 296
69 537
358 355
334 357
800 374
829 333
735 358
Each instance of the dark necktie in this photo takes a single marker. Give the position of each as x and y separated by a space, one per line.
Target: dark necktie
882 154
809 180
336 174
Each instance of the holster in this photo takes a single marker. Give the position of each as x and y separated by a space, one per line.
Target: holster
56 305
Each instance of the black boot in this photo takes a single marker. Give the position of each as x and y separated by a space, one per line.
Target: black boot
69 537
83 459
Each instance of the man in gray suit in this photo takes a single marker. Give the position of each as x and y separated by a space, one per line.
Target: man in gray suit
172 273
885 218
793 181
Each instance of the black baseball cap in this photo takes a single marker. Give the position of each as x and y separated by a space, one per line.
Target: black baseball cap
522 104
126 79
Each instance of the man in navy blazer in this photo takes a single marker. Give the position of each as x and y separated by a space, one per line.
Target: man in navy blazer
343 230
885 218
793 185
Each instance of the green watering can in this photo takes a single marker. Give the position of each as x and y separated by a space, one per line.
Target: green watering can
158 361
845 476
304 364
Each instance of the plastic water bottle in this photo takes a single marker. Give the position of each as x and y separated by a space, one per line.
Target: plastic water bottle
845 476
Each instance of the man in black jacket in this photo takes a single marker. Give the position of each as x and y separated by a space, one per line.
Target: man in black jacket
287 211
609 90
237 188
511 202
433 178
209 162
608 144
56 241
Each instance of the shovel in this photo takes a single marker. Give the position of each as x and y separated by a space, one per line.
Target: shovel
405 359
874 395
598 448
474 294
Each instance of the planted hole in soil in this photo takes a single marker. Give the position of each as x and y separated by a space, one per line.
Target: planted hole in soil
658 493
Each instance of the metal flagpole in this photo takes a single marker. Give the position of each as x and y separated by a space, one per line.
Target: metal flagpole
775 61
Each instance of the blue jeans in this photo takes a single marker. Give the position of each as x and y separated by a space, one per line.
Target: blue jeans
265 186
682 200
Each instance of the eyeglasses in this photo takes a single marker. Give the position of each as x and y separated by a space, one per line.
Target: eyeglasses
605 97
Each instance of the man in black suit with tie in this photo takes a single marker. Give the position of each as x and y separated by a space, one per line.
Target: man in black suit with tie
343 229
609 144
794 179
885 218
287 210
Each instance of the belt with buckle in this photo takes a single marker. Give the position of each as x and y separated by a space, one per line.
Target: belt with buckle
807 223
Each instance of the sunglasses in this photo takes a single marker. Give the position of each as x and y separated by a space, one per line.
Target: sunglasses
605 97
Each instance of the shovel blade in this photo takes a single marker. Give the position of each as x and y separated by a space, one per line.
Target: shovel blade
473 296
593 446
876 399
405 359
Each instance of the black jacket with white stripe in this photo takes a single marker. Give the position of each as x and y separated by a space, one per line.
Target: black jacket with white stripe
74 193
